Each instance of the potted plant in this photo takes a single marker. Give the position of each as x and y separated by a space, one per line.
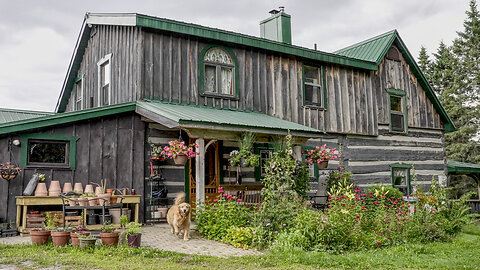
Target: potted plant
133 234
121 231
41 236
321 156
109 235
75 234
156 154
104 197
179 151
9 171
113 197
244 157
83 200
92 199
72 201
61 236
87 240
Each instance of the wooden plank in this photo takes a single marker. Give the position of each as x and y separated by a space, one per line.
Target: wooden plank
138 159
257 94
82 131
285 89
124 153
351 100
371 115
294 91
109 153
270 84
249 73
241 77
345 100
331 125
264 67
95 155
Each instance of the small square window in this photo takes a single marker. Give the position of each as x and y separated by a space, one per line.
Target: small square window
401 178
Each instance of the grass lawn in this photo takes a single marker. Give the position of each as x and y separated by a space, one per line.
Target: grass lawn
460 253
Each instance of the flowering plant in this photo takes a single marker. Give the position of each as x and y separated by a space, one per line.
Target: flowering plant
245 157
9 171
321 154
176 148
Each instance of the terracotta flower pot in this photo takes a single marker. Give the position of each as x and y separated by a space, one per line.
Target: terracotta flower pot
83 201
134 240
180 159
92 201
89 189
110 190
41 190
74 237
67 187
85 243
109 239
163 211
78 188
98 190
54 189
60 238
105 196
39 237
323 164
72 201
113 199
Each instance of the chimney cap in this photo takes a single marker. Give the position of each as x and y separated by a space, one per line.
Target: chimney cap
274 11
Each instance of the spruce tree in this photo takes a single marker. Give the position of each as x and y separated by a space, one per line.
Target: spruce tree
424 62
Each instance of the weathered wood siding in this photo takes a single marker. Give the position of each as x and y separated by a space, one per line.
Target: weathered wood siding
125 45
108 148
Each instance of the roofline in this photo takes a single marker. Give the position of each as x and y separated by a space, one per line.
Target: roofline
464 169
24 111
62 118
140 20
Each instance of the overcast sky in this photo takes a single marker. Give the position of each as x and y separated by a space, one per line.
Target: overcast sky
37 37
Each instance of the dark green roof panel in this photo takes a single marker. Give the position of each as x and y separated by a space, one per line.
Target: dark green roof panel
372 50
462 167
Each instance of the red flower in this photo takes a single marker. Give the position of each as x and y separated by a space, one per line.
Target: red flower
379 243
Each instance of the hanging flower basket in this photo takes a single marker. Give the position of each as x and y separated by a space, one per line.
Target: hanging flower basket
9 171
321 156
179 151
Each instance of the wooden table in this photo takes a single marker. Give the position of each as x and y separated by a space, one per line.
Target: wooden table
23 202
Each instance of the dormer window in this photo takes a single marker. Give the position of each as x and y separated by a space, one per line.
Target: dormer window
104 78
219 73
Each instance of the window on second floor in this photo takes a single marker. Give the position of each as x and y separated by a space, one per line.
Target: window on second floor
104 79
78 94
397 110
313 86
218 68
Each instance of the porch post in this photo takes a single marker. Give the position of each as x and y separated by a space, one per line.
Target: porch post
200 171
297 150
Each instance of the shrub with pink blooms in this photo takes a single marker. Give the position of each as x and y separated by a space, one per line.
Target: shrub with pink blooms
320 154
214 219
176 148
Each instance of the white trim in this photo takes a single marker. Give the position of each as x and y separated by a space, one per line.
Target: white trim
81 92
106 58
129 19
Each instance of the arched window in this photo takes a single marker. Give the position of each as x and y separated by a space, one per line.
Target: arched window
218 72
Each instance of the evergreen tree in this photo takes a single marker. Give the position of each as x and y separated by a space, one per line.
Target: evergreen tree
424 62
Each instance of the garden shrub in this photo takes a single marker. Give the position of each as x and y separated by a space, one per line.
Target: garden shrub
213 220
339 178
241 237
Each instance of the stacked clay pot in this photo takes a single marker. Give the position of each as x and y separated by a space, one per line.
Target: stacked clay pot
54 189
41 189
67 187
78 188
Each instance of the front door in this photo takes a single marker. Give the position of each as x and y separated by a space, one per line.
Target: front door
212 174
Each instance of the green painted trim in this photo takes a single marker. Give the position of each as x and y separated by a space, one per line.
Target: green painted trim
286 28
409 177
72 151
201 71
396 92
390 92
62 118
324 85
79 78
257 147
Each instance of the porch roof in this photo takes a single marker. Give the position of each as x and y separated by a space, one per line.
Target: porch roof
462 167
188 116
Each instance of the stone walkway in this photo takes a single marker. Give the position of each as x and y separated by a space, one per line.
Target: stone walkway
160 237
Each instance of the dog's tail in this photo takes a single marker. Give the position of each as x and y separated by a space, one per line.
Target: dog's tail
180 198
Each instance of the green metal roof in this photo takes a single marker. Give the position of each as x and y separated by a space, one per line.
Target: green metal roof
62 118
170 115
11 115
372 50
375 49
174 115
462 167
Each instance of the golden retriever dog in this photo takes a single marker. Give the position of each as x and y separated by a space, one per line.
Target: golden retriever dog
179 215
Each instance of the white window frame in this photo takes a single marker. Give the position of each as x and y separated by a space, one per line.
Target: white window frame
78 81
100 63
320 85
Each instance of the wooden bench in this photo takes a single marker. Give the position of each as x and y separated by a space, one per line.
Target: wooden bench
251 195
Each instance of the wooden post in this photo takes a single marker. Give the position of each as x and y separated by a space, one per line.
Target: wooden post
297 150
200 172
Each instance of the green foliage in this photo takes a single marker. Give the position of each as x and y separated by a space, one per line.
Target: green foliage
213 220
245 145
84 236
388 192
284 174
123 221
108 227
241 237
339 181
51 221
276 216
133 228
